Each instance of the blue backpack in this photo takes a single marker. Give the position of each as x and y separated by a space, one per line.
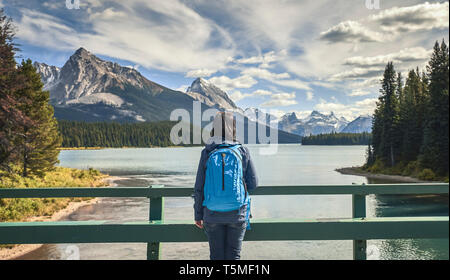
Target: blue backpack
225 188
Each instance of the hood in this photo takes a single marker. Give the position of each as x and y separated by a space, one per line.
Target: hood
215 141
223 124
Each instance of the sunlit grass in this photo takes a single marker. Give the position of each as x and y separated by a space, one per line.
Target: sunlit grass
21 209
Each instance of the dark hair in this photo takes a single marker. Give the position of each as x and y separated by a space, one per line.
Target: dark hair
222 116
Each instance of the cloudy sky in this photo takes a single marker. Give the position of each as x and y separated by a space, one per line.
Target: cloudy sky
277 54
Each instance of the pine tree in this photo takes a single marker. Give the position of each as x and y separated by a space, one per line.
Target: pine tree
10 116
412 114
385 135
38 145
436 139
397 126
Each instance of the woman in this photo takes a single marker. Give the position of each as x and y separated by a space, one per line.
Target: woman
225 229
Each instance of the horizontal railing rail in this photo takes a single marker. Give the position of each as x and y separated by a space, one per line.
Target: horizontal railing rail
157 230
262 230
174 191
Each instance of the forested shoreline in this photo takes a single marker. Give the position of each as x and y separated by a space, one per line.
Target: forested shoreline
115 135
338 139
411 121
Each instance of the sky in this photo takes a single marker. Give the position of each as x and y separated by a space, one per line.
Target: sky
279 55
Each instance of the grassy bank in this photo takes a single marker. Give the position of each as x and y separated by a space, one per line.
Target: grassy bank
411 169
81 148
408 173
22 209
124 147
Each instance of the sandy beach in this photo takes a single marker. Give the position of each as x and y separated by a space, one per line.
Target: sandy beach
22 249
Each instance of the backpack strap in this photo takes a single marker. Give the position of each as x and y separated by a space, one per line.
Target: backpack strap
239 155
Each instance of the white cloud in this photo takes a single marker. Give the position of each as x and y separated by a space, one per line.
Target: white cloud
424 16
261 92
263 23
227 84
359 92
237 95
366 71
416 55
309 95
365 83
55 5
46 31
292 84
200 73
358 73
276 78
280 99
264 74
349 111
350 31
264 60
178 39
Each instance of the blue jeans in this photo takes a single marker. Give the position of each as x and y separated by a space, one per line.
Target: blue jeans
225 240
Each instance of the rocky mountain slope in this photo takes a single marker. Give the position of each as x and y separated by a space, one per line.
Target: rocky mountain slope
91 89
211 95
359 125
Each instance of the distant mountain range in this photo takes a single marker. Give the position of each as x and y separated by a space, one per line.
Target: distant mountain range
319 123
88 88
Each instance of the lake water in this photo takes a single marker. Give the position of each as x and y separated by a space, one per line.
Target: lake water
291 165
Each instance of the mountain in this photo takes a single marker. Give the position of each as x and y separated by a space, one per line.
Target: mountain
320 123
211 95
90 89
257 115
49 74
293 124
315 123
359 125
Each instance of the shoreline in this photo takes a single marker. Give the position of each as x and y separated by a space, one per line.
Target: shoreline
124 147
356 171
22 249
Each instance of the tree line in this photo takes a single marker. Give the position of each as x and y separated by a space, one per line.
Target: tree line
115 135
338 139
411 120
29 135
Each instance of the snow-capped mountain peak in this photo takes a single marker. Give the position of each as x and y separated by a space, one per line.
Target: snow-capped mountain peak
210 94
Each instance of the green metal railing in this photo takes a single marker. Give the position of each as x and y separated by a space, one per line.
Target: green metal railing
157 230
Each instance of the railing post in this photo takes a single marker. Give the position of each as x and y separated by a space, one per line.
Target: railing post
359 211
156 213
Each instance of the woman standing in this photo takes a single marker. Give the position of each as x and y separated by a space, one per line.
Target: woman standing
222 204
